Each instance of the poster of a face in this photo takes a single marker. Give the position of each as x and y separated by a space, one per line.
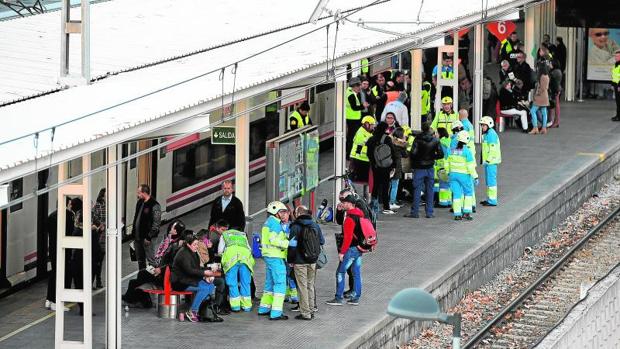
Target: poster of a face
602 43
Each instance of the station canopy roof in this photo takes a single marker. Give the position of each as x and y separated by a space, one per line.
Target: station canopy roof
157 62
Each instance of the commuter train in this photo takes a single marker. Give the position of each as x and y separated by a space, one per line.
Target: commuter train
183 176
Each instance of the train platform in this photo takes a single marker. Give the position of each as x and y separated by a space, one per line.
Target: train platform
541 180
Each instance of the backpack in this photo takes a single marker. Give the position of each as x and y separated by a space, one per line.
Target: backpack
256 248
383 154
365 234
310 244
368 213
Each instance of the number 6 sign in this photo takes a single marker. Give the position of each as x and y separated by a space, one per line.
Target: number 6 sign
501 29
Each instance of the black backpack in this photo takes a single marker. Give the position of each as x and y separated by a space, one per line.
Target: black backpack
310 244
383 154
368 212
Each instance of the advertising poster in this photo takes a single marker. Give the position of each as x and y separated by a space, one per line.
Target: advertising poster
312 160
602 44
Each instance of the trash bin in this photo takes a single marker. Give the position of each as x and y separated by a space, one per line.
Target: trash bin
168 311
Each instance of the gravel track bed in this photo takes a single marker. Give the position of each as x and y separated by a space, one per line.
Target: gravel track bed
481 305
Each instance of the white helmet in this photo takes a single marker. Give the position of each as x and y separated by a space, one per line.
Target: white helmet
487 120
463 136
457 124
275 207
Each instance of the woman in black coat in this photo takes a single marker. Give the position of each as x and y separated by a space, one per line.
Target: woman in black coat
381 175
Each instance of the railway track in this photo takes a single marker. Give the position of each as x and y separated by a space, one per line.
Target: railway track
540 307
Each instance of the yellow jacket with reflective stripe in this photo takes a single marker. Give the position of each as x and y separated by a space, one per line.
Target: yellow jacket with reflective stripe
299 120
426 97
237 250
444 120
615 74
349 113
364 66
461 161
359 149
491 149
274 242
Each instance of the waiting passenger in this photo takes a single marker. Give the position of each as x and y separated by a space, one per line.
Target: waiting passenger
541 99
400 153
381 155
187 275
509 104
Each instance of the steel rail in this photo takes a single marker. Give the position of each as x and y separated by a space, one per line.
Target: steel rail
481 334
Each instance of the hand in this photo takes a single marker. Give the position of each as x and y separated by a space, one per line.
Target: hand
339 207
209 243
341 257
208 273
156 271
147 242
476 182
365 104
209 279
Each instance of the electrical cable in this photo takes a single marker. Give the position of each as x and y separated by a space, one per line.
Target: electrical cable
208 127
188 79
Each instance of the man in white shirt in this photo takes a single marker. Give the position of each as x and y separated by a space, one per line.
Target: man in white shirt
398 108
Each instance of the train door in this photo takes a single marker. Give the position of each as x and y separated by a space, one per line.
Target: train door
131 183
4 283
42 213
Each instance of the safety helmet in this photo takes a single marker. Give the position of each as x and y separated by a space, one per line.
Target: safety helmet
463 136
368 119
487 120
275 207
446 100
457 124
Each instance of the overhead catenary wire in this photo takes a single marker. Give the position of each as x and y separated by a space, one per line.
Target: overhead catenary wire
204 129
167 87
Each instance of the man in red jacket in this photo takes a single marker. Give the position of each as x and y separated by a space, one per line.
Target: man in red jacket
349 254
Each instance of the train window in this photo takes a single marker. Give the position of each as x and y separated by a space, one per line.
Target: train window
162 150
133 148
263 129
200 161
17 190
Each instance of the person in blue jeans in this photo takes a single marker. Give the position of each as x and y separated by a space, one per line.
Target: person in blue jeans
400 150
425 150
189 276
349 255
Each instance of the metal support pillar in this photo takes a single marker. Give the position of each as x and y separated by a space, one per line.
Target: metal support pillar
68 27
339 137
441 82
242 154
530 34
113 250
65 243
416 90
479 41
570 39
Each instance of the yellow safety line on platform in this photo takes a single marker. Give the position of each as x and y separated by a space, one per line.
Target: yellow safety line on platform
52 314
601 156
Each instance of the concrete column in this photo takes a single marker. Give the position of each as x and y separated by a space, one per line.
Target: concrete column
455 89
416 90
63 296
113 251
530 34
570 40
242 154
81 27
478 78
339 136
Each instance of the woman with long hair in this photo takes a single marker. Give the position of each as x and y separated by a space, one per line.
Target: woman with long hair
541 99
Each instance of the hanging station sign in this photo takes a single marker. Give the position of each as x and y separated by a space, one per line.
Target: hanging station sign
502 29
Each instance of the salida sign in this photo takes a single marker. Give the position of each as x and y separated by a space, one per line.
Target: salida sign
502 29
223 135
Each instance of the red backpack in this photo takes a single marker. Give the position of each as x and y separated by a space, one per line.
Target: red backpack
365 234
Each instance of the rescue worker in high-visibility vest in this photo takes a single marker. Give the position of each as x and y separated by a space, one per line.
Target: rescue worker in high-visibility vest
491 157
300 117
461 169
446 116
426 100
615 83
409 136
508 45
442 184
360 164
238 266
469 127
274 245
364 67
353 110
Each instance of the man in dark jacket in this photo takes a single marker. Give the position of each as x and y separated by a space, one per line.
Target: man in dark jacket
426 149
523 72
305 271
187 275
228 207
146 222
52 231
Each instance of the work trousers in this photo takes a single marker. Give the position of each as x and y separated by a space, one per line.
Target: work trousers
462 193
490 174
238 279
305 275
272 300
617 96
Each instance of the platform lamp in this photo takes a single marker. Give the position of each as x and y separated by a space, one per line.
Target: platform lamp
418 305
